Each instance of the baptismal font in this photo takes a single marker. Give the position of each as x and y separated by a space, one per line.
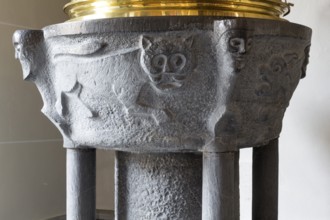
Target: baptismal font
176 88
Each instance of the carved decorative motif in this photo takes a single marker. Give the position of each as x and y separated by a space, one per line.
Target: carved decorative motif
166 62
306 61
214 85
239 43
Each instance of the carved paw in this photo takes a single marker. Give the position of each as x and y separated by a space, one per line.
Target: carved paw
161 116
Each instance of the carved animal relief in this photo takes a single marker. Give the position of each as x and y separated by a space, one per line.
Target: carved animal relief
226 83
167 62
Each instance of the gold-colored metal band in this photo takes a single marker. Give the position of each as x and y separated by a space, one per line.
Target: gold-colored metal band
96 9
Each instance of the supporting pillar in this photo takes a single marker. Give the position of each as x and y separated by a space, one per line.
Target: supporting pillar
81 184
265 182
221 186
158 186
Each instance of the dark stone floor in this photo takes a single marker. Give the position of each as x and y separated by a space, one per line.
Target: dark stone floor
100 215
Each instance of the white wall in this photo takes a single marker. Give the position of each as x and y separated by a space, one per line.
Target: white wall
305 140
31 158
32 161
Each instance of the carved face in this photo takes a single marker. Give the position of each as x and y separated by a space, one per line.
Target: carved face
25 41
239 46
272 77
166 62
238 43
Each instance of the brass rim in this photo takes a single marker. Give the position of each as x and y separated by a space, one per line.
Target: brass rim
97 9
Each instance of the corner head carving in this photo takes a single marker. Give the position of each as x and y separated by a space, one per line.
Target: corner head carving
306 61
237 43
166 61
27 50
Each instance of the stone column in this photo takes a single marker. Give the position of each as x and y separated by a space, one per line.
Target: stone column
221 186
162 91
158 186
265 182
81 184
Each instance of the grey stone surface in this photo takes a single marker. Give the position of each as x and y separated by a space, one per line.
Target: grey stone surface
158 186
166 84
221 186
265 182
81 184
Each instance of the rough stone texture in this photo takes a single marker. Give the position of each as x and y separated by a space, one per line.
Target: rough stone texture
158 186
166 84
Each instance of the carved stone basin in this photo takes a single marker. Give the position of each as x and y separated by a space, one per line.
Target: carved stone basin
170 85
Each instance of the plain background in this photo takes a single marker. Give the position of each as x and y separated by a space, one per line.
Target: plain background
32 161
